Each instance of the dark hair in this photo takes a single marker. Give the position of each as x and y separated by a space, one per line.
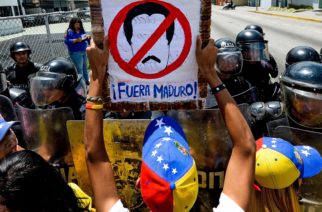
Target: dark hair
72 24
148 8
28 183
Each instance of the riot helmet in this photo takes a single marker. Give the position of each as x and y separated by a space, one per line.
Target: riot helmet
19 47
301 53
229 58
302 93
255 27
53 82
253 46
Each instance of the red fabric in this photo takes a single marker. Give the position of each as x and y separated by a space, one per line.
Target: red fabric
155 191
259 144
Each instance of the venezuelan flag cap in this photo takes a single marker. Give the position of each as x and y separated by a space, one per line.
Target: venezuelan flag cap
169 178
279 163
5 127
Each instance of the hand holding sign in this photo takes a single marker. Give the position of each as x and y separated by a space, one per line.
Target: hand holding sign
206 58
98 59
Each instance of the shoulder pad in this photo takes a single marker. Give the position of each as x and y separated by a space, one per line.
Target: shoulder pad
258 111
274 109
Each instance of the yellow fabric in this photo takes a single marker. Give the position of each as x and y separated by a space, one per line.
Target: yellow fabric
186 191
274 170
84 201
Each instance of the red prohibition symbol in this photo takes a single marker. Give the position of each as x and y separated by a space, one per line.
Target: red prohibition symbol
130 66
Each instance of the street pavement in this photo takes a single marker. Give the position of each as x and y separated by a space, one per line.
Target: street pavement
282 32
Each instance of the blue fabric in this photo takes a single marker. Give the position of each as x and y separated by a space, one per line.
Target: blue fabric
166 151
159 122
80 60
307 159
4 127
75 47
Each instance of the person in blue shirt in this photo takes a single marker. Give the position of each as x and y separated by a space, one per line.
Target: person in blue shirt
76 40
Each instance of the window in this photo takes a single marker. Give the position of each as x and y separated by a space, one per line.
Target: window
5 11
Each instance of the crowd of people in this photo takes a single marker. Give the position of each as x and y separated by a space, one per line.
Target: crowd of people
263 173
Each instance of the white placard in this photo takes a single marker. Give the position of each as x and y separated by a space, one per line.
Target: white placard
152 47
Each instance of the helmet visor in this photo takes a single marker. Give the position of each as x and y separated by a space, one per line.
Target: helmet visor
303 107
229 61
46 88
256 51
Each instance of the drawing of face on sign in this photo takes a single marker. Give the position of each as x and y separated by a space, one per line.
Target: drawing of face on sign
140 23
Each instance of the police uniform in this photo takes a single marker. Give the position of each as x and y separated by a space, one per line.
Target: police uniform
18 76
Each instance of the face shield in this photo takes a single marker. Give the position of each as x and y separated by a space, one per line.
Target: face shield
81 88
254 51
229 61
46 88
303 107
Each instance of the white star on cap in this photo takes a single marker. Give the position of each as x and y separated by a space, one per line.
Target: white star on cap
158 145
174 171
159 123
165 166
168 130
1 125
274 146
154 153
305 152
166 139
307 147
264 146
160 159
274 141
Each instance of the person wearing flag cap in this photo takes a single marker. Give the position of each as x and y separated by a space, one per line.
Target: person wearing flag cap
280 166
168 173
8 139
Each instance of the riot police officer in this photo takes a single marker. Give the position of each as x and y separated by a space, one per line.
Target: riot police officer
302 94
255 67
57 84
229 64
255 27
301 85
301 53
271 63
18 73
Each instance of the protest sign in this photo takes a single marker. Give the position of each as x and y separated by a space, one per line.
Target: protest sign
152 46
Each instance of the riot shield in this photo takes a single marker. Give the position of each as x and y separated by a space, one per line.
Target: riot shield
123 142
7 109
311 189
207 137
46 133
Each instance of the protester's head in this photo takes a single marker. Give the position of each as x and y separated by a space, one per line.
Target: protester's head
20 52
280 166
140 22
169 180
53 82
75 24
8 139
29 183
